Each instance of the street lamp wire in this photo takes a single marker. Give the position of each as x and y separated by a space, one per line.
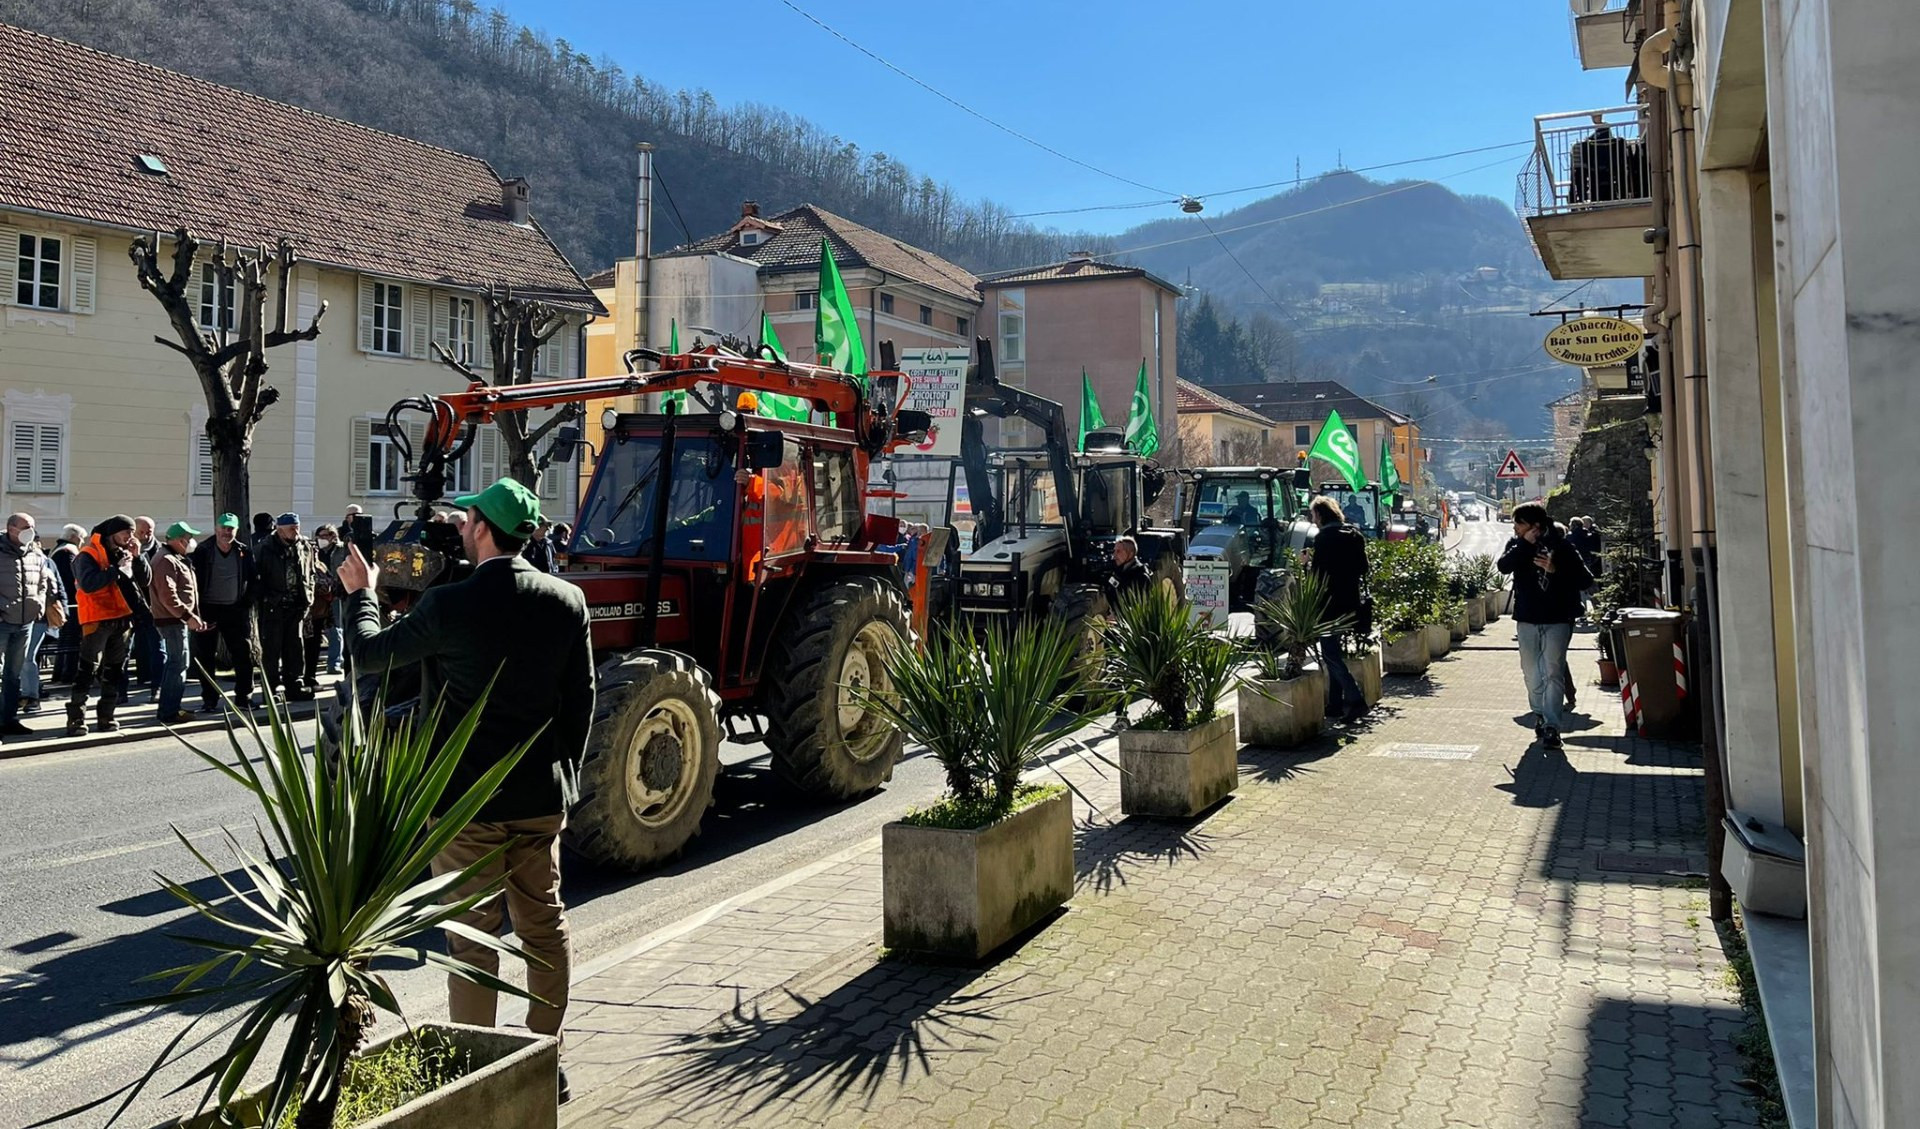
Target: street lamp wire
969 110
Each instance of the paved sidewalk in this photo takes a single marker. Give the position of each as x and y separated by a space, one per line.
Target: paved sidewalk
1428 926
139 721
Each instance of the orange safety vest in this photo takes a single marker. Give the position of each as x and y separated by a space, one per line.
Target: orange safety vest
753 516
109 602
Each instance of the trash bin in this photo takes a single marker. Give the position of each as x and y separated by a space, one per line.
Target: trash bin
1651 651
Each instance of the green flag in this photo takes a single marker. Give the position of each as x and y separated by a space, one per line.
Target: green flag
1389 474
836 335
772 403
1336 447
677 399
1090 416
1143 435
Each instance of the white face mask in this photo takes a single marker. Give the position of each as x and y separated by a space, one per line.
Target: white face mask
192 544
23 537
326 542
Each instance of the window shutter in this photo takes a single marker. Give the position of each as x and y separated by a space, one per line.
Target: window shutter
422 315
439 331
482 340
49 456
9 263
366 328
362 440
563 351
85 268
552 478
203 465
488 446
25 437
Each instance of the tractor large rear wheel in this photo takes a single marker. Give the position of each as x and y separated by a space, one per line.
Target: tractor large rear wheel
832 649
1081 612
652 755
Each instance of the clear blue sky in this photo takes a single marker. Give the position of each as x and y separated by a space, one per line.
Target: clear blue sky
1194 97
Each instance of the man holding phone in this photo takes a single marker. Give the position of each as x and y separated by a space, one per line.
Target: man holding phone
1548 577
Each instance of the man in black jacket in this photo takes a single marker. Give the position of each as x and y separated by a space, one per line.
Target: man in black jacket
223 570
1130 577
1340 561
526 634
1548 577
285 596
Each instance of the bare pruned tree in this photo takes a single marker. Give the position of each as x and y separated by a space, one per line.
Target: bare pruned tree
516 329
230 355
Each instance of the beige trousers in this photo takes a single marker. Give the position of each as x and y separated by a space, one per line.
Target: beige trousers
532 897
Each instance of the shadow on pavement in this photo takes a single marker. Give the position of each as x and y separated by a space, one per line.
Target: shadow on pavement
1649 1062
1104 853
1542 779
1271 766
893 1018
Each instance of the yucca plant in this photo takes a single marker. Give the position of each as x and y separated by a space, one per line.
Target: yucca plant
987 705
1159 650
331 890
1296 619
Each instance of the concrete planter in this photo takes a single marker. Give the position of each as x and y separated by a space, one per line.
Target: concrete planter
1477 613
1439 639
1178 772
1408 654
1459 628
512 1084
1366 670
964 893
1491 604
1282 713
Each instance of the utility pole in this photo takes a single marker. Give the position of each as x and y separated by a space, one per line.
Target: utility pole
642 242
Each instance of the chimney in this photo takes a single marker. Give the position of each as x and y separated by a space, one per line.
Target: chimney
516 199
1079 256
749 209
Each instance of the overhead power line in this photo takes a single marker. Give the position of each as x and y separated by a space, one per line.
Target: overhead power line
1292 183
963 107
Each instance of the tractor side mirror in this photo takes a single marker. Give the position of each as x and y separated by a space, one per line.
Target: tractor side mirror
912 424
566 444
1302 480
766 449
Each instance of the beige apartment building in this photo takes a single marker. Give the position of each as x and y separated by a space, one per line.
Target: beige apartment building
397 239
1216 431
1760 180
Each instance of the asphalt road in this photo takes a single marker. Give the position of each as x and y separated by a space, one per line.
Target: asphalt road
81 916
1476 537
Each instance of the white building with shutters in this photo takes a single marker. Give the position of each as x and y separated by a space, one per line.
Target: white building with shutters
398 239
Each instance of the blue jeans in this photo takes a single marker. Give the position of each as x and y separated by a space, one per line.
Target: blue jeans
30 674
335 656
1543 662
173 667
1343 690
13 661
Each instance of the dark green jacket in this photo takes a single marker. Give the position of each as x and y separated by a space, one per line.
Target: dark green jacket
507 619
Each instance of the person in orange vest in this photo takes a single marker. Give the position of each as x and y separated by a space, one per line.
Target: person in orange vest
111 578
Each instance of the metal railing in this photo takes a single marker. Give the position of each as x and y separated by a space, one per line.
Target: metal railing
1584 159
1627 10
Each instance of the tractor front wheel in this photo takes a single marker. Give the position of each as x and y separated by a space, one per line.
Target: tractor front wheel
832 650
652 755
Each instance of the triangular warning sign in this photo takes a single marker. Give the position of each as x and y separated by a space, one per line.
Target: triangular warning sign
1512 467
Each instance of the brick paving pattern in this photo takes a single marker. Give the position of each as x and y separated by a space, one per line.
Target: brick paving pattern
1352 940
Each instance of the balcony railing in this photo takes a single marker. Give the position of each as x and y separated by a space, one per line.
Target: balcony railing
1583 160
1605 32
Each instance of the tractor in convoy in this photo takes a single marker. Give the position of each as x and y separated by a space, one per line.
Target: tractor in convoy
1046 520
1251 518
732 572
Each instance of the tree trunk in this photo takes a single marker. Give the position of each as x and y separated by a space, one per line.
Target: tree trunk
520 454
231 445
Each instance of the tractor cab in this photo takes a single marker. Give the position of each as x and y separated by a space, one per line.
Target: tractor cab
1029 558
1251 519
1363 508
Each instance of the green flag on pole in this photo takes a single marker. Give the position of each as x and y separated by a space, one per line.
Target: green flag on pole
1090 416
1389 474
836 334
1336 448
1143 435
677 399
772 403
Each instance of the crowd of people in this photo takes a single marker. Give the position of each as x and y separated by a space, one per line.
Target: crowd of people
131 608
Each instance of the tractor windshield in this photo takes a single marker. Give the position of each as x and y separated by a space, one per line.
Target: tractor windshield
1361 507
1233 501
1031 499
1107 498
616 519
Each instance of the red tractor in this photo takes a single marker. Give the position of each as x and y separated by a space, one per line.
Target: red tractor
732 571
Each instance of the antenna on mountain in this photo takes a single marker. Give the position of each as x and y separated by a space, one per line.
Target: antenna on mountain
1340 159
1296 168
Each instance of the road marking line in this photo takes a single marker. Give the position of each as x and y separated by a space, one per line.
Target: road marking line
116 852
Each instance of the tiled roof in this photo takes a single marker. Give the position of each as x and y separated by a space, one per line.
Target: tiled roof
796 247
250 170
1305 400
1073 269
1195 400
601 279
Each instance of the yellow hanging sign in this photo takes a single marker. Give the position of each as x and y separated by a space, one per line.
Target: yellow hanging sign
1594 341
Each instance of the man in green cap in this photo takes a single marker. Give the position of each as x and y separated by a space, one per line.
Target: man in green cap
225 572
527 634
174 594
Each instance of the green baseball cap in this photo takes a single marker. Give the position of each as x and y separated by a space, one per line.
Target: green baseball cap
227 521
506 504
181 529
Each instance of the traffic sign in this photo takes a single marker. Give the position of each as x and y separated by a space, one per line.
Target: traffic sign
1512 467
